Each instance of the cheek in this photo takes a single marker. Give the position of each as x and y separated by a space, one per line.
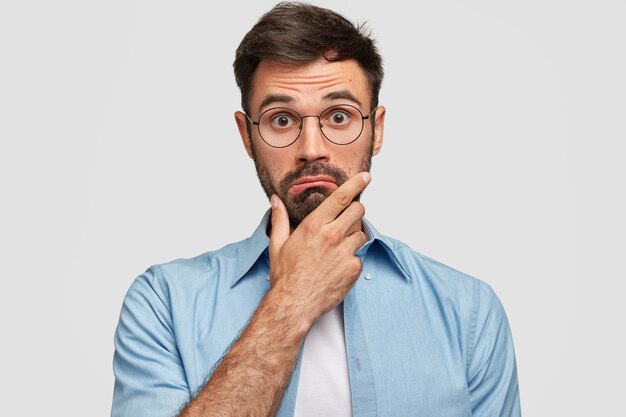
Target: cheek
274 165
352 162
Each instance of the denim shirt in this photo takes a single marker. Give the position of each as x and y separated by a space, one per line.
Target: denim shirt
422 339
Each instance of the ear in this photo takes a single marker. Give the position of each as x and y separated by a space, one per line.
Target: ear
240 119
379 127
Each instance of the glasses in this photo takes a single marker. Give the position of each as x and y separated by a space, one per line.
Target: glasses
280 127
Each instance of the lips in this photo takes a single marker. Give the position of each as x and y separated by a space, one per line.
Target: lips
303 183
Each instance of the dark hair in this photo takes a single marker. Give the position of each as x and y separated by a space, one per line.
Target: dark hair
299 33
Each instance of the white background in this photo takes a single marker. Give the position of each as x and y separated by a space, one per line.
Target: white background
503 158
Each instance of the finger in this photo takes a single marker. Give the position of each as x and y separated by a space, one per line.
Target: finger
280 225
342 197
349 221
356 227
355 241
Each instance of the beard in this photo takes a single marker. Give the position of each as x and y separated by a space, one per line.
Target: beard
303 203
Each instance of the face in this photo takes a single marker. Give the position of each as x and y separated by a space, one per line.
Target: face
306 172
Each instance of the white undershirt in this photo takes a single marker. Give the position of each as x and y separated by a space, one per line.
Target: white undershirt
324 384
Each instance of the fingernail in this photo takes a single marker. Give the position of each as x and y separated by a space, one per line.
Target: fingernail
274 201
367 177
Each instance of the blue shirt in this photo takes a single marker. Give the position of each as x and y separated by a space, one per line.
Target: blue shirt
422 339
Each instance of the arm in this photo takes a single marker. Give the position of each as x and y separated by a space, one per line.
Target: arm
149 376
311 271
252 377
492 372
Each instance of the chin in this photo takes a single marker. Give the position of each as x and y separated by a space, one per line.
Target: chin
304 203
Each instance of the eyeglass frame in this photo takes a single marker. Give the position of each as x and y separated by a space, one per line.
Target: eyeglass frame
319 123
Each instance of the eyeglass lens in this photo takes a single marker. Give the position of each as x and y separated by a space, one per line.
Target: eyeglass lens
281 126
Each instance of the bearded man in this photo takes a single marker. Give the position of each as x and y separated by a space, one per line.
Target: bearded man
316 314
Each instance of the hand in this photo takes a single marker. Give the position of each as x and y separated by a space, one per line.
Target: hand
314 268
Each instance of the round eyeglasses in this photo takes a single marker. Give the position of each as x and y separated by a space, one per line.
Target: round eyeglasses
280 127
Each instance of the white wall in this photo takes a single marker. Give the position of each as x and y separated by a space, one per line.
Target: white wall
503 158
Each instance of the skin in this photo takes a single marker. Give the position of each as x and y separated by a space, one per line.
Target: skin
309 90
312 266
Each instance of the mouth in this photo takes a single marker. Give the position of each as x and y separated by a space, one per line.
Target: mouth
306 182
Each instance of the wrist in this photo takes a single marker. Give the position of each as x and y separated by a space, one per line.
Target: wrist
285 310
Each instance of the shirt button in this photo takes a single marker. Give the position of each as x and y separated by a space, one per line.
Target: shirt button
368 276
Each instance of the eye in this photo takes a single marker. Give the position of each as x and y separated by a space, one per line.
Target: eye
283 120
338 117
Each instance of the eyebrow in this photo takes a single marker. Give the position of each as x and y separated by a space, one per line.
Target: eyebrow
342 94
285 99
275 98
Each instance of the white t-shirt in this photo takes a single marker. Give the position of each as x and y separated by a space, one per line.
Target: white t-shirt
324 384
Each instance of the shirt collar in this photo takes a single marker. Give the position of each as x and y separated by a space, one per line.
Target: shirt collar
254 247
251 249
389 245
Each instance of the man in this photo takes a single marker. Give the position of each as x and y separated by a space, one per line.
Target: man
316 314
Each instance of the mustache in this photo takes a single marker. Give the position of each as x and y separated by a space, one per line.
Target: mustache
315 168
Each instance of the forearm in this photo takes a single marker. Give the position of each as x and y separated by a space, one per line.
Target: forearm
251 378
311 270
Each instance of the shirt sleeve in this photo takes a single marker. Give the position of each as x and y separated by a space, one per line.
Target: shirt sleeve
149 376
491 368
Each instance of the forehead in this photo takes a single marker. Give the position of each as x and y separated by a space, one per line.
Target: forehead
309 85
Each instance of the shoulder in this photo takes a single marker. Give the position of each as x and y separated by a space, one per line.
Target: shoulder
441 283
185 276
430 271
190 268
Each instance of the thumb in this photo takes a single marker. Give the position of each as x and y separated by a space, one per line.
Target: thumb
280 225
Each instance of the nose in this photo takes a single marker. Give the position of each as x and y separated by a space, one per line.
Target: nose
312 146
